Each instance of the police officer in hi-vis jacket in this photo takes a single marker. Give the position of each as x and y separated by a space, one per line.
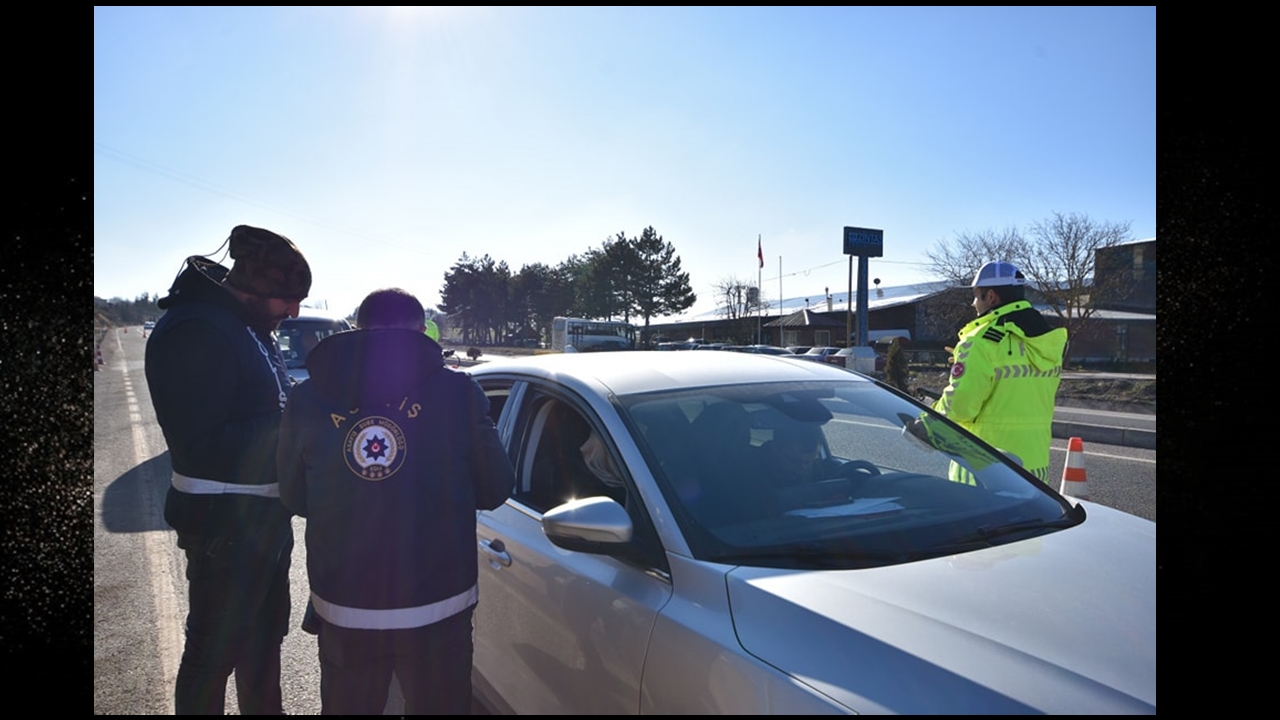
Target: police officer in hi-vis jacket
1008 363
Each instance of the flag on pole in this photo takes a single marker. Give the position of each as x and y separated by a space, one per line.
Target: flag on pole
760 251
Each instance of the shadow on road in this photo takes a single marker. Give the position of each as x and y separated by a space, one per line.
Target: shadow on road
134 502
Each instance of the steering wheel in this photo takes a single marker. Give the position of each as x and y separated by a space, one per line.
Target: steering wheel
856 466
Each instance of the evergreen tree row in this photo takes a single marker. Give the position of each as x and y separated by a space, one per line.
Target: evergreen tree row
634 279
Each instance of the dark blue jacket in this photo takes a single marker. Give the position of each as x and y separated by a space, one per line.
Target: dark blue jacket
388 454
218 389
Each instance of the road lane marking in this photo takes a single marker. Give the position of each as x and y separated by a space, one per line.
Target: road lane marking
155 548
1108 455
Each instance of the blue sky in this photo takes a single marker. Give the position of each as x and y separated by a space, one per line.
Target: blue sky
386 142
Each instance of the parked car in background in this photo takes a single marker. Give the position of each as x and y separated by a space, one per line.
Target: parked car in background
298 335
766 350
149 325
658 557
674 345
820 353
799 349
839 357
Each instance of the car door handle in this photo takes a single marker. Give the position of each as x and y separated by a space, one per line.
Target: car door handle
496 552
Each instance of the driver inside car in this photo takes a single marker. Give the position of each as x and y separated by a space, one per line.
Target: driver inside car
792 457
797 472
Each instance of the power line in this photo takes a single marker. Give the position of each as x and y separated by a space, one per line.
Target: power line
177 176
806 271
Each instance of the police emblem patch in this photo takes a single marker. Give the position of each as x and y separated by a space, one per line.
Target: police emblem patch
957 370
375 448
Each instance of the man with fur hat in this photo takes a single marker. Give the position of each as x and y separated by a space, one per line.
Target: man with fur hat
218 384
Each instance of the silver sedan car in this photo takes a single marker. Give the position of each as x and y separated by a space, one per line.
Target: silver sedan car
732 533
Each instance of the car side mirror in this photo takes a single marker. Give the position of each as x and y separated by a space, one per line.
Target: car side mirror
593 524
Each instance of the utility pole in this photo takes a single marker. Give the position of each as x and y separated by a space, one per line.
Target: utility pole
759 277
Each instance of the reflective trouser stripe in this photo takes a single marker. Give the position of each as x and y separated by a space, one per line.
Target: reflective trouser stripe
956 473
198 486
396 618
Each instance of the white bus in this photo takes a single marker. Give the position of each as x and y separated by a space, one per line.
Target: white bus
579 335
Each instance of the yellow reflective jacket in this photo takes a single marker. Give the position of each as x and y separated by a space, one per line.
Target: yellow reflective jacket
1004 382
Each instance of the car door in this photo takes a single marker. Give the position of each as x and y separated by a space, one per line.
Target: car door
558 631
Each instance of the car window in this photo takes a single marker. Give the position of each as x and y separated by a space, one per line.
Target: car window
784 474
563 457
562 452
298 336
497 401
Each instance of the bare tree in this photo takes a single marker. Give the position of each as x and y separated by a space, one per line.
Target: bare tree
1060 263
737 299
958 260
1057 255
943 315
741 302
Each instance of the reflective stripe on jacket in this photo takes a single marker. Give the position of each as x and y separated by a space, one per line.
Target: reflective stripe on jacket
199 486
395 618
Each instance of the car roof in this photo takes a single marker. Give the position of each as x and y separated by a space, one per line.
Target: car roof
306 313
625 372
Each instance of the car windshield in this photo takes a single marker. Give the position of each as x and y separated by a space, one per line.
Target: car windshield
298 336
831 474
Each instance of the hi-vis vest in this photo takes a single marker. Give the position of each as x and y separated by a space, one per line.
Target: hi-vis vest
1003 386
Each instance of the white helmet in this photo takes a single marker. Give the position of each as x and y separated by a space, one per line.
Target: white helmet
997 274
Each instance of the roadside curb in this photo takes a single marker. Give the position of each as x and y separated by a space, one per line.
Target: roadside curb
1106 434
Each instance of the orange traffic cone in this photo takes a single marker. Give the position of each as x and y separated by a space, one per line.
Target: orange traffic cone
1074 483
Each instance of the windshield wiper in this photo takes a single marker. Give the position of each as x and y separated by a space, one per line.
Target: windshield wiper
988 532
984 536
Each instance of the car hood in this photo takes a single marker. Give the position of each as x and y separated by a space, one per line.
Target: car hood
1062 623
